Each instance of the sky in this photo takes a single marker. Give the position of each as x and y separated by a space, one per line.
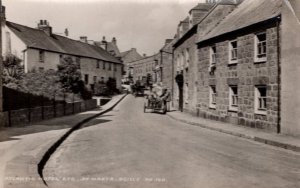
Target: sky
140 24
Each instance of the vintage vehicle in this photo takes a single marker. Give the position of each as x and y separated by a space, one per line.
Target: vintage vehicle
155 105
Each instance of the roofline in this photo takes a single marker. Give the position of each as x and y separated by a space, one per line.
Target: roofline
242 28
208 13
30 47
68 39
144 58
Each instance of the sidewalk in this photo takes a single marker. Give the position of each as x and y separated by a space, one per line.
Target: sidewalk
278 140
22 148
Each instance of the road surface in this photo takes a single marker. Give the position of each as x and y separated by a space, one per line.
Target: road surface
130 148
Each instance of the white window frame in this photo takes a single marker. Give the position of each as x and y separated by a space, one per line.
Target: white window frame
212 57
187 57
233 52
260 46
212 97
233 98
260 102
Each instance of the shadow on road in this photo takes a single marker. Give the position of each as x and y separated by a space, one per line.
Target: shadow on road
66 122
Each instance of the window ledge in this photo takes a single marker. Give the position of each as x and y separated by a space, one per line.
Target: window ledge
260 60
232 109
213 107
261 112
233 62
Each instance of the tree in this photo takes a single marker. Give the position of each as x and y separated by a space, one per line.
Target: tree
69 74
13 70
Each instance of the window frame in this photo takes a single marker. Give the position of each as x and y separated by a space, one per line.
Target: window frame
233 98
258 98
212 97
212 57
98 64
41 56
230 52
257 42
86 79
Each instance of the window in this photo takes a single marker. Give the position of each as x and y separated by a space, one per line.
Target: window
187 57
212 58
260 47
212 97
98 65
95 79
115 67
42 56
103 66
78 60
41 69
86 78
109 66
261 100
233 98
61 57
233 52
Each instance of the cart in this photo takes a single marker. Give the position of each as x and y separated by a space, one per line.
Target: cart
155 105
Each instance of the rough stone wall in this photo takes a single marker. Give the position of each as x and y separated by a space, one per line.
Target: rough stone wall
246 74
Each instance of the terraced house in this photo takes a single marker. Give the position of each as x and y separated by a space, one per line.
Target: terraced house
240 67
40 49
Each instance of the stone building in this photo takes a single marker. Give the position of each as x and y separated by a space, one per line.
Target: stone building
128 57
166 61
2 10
290 68
202 17
232 74
40 49
144 68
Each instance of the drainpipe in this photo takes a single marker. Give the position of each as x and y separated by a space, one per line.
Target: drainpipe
278 20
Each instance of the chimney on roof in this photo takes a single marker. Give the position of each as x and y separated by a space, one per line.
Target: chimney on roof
114 40
66 32
44 25
83 39
168 41
3 14
103 43
144 55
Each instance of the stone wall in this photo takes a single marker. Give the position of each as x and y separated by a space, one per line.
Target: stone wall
245 74
27 116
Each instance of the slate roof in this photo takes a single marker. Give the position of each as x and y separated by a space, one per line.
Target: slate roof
246 14
114 48
35 38
203 7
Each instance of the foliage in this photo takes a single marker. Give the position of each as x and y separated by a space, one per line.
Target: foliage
13 71
42 83
69 74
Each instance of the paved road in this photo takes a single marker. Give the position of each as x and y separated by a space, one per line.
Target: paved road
129 148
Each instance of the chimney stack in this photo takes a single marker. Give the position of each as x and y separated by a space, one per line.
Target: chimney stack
44 25
114 40
83 39
103 43
66 32
144 55
168 41
3 14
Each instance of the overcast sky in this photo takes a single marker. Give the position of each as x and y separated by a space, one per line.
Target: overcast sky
141 24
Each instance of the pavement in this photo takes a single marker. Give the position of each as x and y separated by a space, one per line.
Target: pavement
127 148
274 139
22 148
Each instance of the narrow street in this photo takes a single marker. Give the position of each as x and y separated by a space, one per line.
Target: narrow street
130 148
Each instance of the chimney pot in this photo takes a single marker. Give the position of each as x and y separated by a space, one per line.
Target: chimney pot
83 39
114 40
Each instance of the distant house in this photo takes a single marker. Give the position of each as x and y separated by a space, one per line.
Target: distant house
128 57
110 47
41 49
